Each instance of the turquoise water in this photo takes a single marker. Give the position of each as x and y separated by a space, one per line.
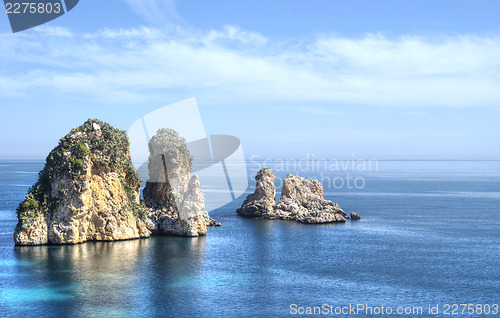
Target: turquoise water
429 234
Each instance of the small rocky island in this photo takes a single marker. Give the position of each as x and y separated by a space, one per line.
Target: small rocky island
301 200
90 191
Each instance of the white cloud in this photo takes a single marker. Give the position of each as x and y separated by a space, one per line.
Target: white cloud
54 31
141 33
157 12
231 65
234 33
412 56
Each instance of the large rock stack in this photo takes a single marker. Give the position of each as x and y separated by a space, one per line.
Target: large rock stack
174 197
87 191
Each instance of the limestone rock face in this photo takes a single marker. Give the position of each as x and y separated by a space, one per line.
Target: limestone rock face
32 233
174 197
301 200
168 145
262 202
87 191
193 202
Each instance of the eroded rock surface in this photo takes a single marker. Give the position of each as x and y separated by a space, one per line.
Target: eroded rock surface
262 202
174 197
88 190
301 200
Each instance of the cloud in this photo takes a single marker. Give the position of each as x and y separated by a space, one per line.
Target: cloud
54 31
234 33
231 65
157 12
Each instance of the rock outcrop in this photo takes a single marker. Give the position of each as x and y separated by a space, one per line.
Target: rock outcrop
301 200
262 202
354 216
174 197
87 191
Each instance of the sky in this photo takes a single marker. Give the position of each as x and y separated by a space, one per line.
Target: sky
385 79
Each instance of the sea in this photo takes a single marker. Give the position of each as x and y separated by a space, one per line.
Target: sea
427 245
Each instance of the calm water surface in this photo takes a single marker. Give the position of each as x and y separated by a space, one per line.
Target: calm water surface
429 234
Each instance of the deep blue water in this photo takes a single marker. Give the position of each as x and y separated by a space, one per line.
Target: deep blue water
429 234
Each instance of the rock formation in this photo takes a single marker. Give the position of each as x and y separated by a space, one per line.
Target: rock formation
301 200
354 216
174 197
88 190
262 202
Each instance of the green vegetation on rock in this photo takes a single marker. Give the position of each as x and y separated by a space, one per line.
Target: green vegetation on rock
96 145
138 209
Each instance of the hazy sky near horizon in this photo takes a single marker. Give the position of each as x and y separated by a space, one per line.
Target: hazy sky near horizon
370 79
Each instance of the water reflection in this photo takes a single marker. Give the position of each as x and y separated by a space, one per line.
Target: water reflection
112 278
